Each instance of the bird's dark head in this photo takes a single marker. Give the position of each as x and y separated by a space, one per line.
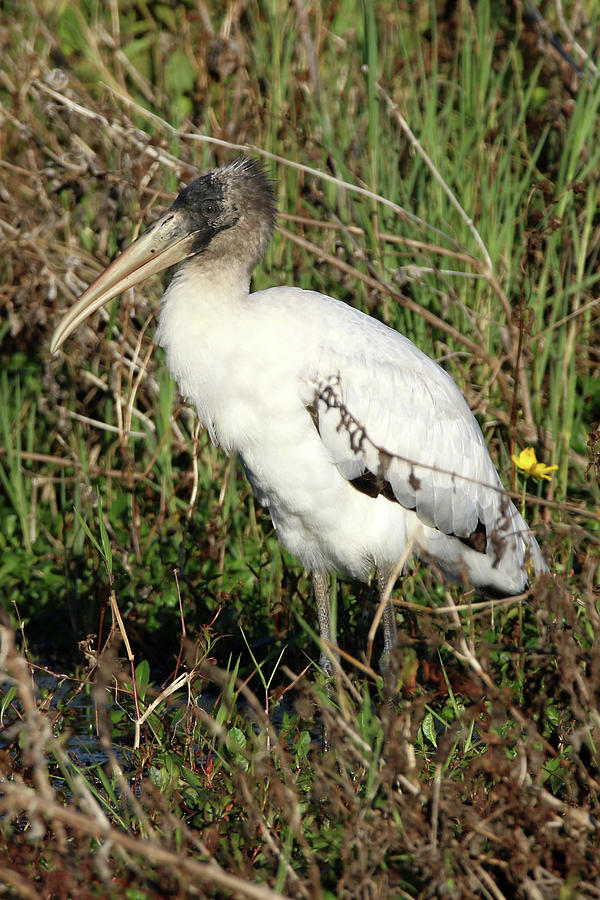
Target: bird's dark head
225 217
230 210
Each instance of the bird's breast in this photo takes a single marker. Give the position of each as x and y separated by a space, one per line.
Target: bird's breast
239 364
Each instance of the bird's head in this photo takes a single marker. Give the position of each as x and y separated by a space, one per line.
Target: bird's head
226 213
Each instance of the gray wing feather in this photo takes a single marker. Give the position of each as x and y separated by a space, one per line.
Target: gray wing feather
380 393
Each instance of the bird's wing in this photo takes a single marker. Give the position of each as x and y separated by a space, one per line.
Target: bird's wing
395 423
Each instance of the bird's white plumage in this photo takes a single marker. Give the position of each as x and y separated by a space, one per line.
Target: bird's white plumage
254 363
360 446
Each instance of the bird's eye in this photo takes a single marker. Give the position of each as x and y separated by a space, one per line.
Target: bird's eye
209 208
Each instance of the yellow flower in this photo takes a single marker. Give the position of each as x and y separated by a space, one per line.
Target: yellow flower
527 461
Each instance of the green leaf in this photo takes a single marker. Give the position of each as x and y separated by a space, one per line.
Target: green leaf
428 729
7 700
237 735
142 677
302 745
180 75
106 548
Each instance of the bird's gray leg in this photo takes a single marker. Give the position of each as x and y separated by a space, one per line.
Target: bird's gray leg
321 592
390 633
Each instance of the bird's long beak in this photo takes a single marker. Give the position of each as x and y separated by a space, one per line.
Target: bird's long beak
166 242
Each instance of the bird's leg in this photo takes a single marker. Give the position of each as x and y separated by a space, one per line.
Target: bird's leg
390 633
321 592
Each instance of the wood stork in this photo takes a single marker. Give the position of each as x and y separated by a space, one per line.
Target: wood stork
357 443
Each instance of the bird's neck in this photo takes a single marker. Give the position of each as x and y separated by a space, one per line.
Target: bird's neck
200 297
202 324
204 280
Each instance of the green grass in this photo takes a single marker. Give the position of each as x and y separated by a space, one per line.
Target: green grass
479 240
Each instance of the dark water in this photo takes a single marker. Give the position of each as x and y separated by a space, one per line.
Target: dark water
74 717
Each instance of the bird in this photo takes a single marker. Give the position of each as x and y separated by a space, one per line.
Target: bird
361 447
